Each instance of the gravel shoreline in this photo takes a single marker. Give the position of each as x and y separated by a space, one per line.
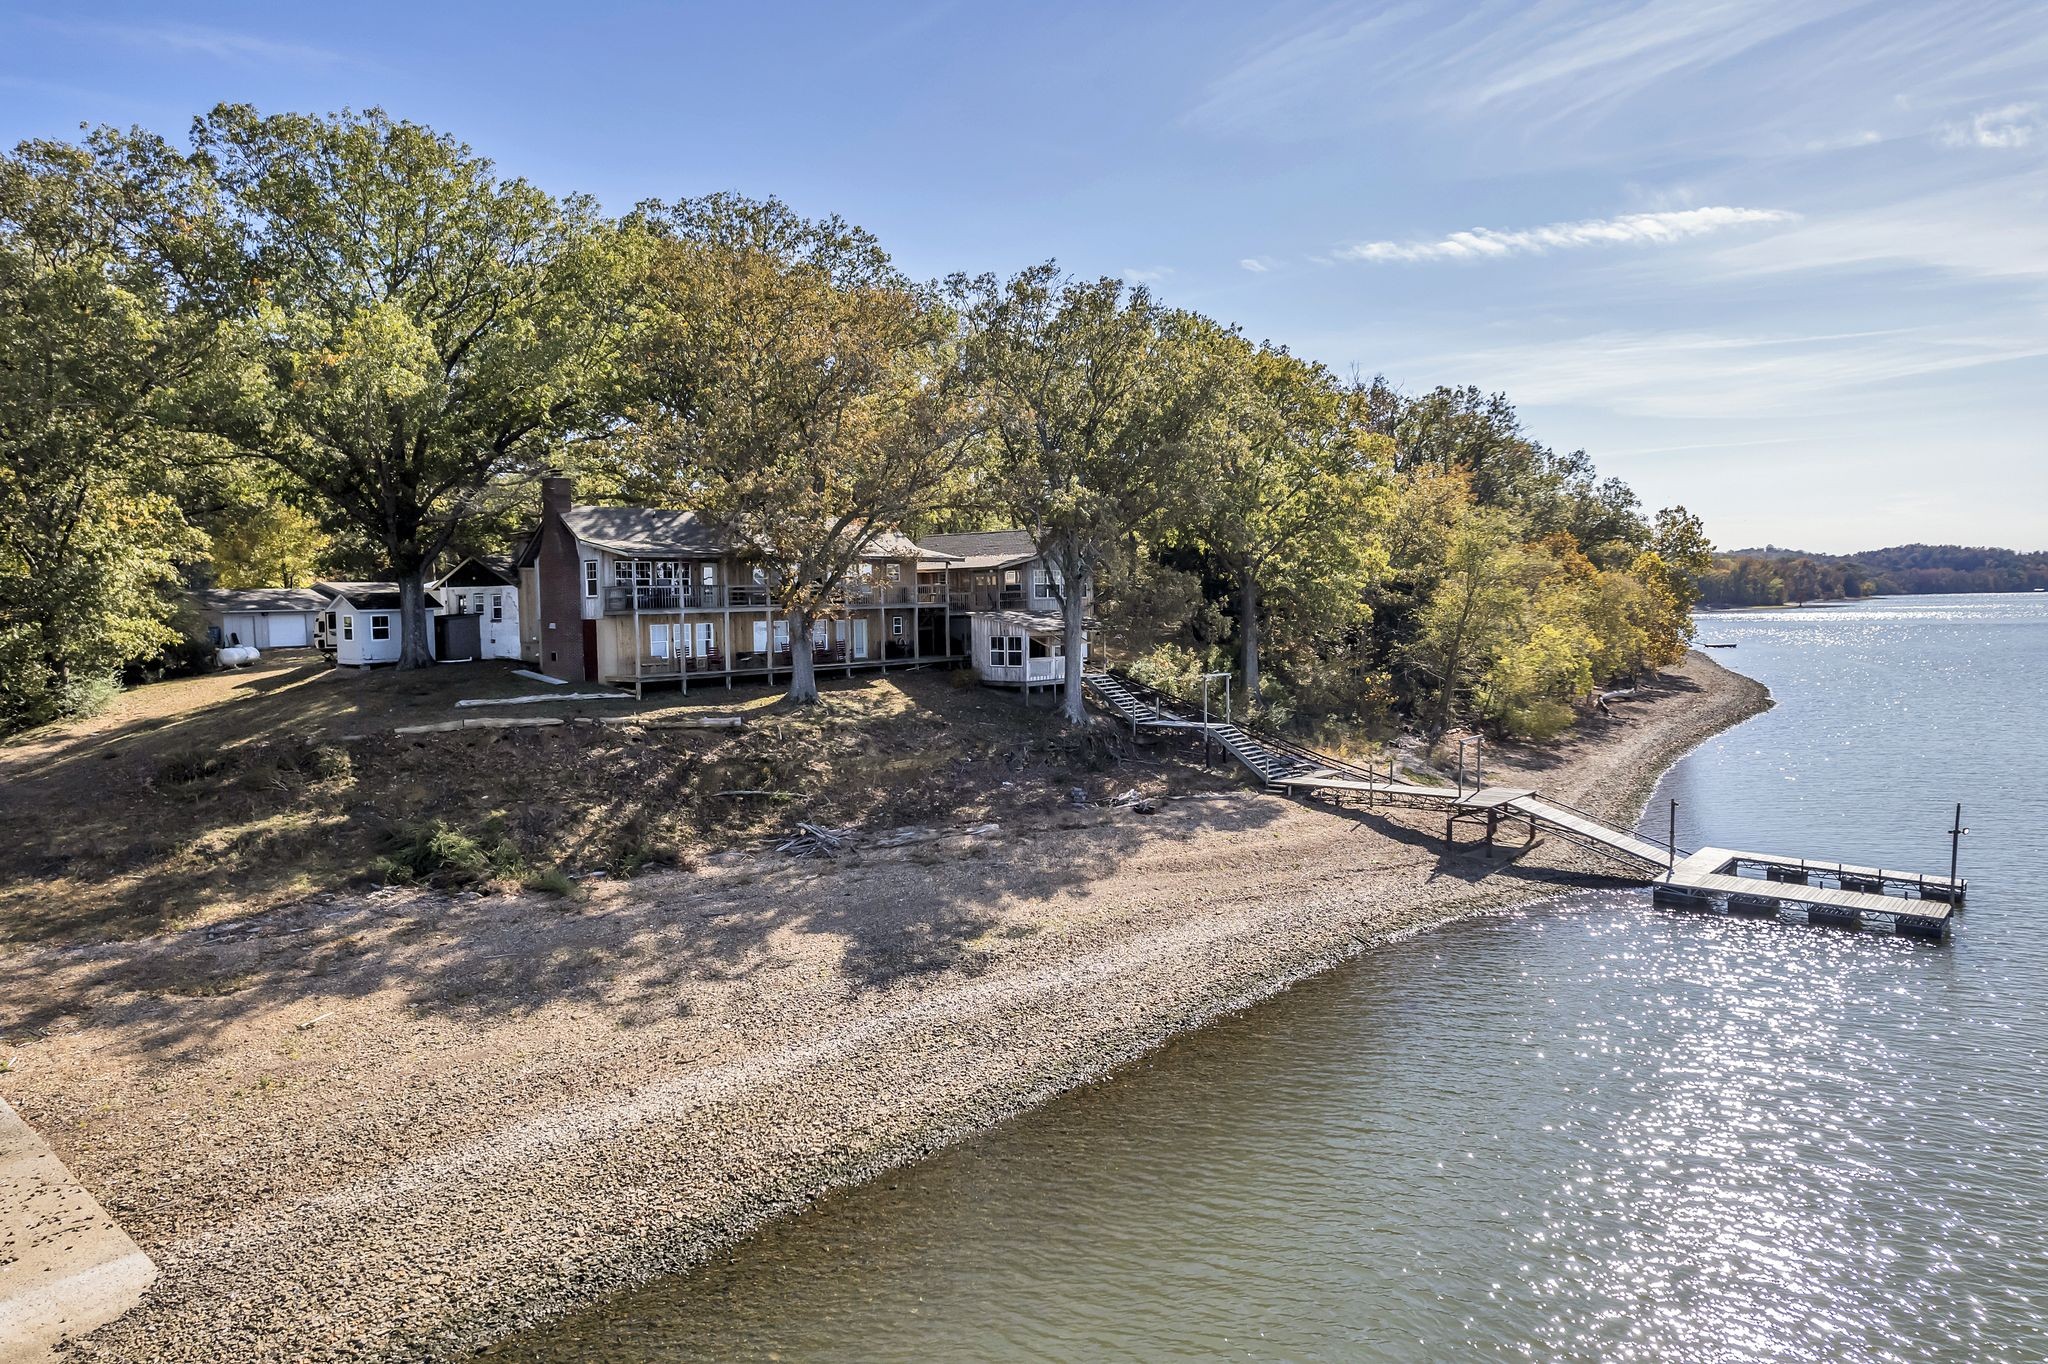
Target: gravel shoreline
410 1126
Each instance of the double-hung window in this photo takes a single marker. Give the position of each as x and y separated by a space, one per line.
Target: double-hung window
380 627
348 627
1006 651
497 606
1041 584
590 578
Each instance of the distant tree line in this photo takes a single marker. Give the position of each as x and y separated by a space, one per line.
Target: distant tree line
1775 577
293 345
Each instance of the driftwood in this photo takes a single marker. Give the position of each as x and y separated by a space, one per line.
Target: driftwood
683 721
544 696
815 840
520 722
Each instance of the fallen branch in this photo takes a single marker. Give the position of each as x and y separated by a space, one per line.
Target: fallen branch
815 840
544 696
750 791
445 726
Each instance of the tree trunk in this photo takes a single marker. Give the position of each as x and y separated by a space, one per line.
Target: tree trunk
803 672
1248 633
1073 600
414 644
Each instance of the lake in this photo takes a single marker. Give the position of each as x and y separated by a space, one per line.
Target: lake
1588 1130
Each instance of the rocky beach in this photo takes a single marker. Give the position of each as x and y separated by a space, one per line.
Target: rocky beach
406 1125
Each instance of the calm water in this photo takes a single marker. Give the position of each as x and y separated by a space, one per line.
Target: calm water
1592 1130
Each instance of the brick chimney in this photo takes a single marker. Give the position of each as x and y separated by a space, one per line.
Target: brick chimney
559 575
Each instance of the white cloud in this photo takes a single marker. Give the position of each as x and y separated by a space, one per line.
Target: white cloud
1149 275
2012 125
1629 229
1718 375
1258 265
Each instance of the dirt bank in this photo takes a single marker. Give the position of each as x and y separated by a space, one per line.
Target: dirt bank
405 1126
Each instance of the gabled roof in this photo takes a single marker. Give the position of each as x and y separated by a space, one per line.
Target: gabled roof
981 548
371 596
239 600
645 531
477 571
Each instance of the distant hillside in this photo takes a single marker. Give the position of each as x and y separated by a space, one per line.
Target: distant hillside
1772 576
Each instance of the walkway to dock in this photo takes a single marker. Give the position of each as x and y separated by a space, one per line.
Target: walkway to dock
1717 880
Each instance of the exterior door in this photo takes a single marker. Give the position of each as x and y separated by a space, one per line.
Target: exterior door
589 650
288 632
860 637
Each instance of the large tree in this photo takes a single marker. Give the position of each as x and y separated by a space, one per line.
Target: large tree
1096 402
422 331
1296 483
792 384
105 316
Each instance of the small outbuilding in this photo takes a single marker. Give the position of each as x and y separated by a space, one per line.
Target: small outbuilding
363 623
260 617
487 592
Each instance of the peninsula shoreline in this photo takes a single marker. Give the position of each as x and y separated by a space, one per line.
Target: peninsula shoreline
415 1129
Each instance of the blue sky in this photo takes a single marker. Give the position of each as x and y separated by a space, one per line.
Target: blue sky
1786 263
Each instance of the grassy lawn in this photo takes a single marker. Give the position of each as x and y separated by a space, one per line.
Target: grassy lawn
202 798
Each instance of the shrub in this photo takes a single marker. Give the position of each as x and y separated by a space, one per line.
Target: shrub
553 881
436 853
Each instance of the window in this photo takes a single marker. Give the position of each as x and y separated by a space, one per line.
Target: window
760 636
380 627
896 626
657 641
821 634
895 572
348 627
1006 651
590 578
704 644
497 606
1041 584
461 602
781 636
711 575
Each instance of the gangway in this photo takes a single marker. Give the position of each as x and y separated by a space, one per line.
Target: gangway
1714 879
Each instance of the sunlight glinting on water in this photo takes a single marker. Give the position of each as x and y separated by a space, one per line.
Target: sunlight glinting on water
1592 1130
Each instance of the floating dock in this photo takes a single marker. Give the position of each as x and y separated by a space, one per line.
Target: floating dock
1713 880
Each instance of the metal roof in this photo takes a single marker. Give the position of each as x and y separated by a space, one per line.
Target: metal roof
981 548
237 601
656 532
372 596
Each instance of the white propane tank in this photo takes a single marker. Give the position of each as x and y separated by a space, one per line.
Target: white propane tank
237 656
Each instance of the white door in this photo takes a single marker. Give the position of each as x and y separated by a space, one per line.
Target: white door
860 637
288 631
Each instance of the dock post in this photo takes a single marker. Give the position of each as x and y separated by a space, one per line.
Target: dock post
1955 847
1671 843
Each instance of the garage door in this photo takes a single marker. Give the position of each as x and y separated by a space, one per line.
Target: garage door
288 631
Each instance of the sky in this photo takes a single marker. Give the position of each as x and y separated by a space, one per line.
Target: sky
1783 263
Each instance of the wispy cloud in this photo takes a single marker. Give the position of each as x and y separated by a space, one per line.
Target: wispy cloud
1258 265
2012 125
1715 374
223 45
1630 229
1151 274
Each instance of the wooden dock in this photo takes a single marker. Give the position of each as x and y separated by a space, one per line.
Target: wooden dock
1713 880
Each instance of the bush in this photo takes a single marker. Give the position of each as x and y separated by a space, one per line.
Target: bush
438 854
1540 721
553 881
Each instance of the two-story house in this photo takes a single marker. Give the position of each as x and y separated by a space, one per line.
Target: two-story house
636 595
1005 606
633 595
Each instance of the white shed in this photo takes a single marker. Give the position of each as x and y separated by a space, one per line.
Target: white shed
363 624
1019 648
260 617
487 589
